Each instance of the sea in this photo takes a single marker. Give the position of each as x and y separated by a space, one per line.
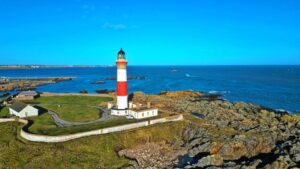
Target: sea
275 87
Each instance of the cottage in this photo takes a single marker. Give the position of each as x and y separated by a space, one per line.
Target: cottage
27 95
23 110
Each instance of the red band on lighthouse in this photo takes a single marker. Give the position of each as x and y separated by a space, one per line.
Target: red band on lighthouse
122 89
121 62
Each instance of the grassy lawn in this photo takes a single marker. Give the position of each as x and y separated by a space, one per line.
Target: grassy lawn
4 112
88 152
72 108
45 125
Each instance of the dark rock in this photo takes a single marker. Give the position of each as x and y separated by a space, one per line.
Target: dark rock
151 155
104 91
98 82
83 91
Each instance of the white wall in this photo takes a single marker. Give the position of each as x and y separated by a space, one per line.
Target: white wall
144 114
28 111
116 112
63 138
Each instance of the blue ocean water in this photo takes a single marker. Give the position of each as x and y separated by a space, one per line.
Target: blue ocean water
276 87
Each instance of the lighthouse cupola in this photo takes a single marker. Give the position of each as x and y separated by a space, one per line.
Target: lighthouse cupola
121 54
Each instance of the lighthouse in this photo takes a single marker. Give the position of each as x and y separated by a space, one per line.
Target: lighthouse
122 94
121 106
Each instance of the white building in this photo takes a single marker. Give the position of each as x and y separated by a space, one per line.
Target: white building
134 111
23 110
143 113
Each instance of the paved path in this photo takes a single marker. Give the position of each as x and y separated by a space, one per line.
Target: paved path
105 116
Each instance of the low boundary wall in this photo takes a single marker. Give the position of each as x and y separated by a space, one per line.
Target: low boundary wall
63 138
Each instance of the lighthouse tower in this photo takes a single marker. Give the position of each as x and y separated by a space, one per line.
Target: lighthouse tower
122 94
122 108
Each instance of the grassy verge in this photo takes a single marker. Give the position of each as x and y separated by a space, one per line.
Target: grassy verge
89 152
72 108
4 112
45 125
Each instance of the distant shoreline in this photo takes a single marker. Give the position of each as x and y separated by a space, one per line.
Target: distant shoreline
49 66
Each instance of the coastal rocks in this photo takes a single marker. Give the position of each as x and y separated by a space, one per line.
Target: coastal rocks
104 91
29 84
83 91
151 156
98 82
223 134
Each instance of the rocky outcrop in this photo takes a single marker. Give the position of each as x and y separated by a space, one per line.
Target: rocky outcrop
22 84
223 134
152 155
104 91
98 82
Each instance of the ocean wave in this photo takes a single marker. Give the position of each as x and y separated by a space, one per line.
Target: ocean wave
284 111
188 75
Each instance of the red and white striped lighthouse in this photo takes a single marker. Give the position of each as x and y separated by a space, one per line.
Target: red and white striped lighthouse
122 94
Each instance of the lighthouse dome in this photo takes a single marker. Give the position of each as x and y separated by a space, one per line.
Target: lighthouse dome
121 54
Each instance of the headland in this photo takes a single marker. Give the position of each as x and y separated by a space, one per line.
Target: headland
215 133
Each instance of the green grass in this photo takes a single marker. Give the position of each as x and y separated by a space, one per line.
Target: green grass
42 124
4 112
72 108
45 125
88 152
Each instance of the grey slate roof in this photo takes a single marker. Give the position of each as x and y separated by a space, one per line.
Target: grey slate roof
29 93
18 106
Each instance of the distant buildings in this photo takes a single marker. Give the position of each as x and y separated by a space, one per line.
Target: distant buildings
22 110
27 95
122 108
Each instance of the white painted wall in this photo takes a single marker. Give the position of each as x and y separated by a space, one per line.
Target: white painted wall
63 138
116 112
122 102
144 114
28 111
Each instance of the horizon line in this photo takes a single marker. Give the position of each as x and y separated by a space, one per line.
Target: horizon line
87 65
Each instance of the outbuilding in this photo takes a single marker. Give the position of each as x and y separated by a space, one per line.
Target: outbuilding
27 95
22 110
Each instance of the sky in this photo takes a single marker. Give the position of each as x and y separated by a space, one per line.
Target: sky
151 32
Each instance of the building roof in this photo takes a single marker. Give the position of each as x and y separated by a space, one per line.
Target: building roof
18 106
142 109
32 93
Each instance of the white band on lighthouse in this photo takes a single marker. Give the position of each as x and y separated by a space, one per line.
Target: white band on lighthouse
121 75
122 102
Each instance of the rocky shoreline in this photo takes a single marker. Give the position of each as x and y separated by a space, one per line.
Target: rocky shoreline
220 134
21 84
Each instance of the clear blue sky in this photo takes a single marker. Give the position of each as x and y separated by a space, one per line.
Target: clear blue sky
152 32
